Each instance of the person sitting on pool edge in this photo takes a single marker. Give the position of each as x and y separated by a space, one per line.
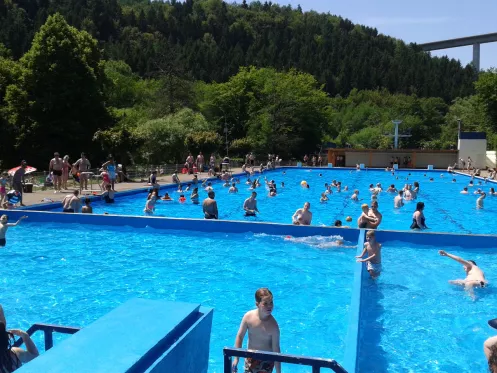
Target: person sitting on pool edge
12 358
250 205
373 260
474 275
303 216
264 334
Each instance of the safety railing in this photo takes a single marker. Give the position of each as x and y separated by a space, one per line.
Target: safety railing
48 331
315 363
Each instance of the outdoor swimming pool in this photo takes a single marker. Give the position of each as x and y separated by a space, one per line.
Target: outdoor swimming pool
446 209
70 274
412 320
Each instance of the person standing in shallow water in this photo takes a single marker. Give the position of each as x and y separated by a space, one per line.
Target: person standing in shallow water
264 334
418 218
210 206
4 226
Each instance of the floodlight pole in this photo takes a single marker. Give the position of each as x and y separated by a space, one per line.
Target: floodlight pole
396 136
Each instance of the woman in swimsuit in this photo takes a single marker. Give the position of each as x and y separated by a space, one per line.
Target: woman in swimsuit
418 218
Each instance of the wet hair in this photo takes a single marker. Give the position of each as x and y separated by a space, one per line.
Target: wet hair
416 184
338 223
420 206
370 233
473 262
7 358
261 293
401 192
87 201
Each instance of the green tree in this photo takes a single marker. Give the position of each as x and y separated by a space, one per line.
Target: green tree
59 103
166 139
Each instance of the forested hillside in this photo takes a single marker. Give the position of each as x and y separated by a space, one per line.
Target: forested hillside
212 39
151 81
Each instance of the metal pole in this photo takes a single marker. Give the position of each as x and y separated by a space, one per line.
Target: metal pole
396 135
476 57
227 363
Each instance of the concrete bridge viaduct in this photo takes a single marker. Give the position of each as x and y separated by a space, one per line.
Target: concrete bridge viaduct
475 41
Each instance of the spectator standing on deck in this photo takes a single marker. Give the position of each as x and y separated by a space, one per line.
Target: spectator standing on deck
18 180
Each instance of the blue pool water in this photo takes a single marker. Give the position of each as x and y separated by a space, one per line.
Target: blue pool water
446 209
73 274
414 321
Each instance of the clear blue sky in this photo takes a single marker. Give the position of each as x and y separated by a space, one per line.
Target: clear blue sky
419 21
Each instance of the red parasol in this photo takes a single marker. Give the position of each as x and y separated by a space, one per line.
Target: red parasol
29 169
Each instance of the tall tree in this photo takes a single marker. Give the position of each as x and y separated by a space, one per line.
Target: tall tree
58 106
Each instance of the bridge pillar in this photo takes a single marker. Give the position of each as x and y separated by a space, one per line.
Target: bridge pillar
476 56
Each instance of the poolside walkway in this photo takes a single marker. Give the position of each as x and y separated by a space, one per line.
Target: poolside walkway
38 196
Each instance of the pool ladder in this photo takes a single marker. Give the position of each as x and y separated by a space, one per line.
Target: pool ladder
315 363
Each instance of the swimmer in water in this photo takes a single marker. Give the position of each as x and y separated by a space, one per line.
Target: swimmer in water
392 189
194 196
474 275
4 225
362 221
465 190
233 188
250 205
324 197
303 216
479 201
398 201
355 196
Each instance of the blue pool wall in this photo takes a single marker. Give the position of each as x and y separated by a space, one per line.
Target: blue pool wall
141 335
199 225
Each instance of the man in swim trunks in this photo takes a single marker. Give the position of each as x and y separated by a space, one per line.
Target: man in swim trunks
83 165
263 334
250 205
474 275
4 226
200 162
303 216
374 213
55 167
71 202
210 206
373 260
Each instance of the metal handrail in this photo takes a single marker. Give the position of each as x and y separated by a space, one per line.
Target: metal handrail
48 331
314 362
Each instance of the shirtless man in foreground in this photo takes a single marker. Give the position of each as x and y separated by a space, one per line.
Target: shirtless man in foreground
263 334
71 202
474 275
303 216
